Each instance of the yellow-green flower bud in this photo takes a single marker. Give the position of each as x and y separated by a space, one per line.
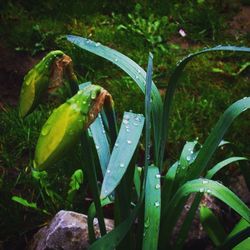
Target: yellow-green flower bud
36 82
63 128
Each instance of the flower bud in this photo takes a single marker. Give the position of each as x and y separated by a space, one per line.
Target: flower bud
36 82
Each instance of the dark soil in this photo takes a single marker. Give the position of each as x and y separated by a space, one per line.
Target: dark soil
13 67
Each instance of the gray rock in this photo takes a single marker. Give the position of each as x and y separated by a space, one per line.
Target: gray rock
66 231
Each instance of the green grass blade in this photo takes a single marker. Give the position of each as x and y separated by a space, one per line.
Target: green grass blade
90 170
213 140
210 174
152 209
123 151
112 239
137 180
175 206
172 85
91 217
184 230
132 69
147 113
101 143
212 226
240 241
188 155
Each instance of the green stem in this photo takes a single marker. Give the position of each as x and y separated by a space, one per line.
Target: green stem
92 179
87 156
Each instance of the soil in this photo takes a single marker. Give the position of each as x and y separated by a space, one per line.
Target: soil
13 67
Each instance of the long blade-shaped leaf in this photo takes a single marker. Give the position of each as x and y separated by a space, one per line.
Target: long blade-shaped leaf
101 143
132 69
152 209
213 140
173 83
172 212
212 226
123 151
210 174
91 217
147 113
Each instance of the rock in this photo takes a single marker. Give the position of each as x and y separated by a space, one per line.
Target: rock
67 230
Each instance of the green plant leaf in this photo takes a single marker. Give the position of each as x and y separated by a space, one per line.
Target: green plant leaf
210 174
132 69
75 182
112 239
91 217
24 202
152 209
200 164
123 151
147 113
212 226
239 237
101 143
175 206
172 85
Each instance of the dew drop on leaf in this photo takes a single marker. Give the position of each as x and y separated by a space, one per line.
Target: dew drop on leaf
129 142
157 204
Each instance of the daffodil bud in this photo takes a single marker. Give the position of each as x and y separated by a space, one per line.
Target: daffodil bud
62 130
36 82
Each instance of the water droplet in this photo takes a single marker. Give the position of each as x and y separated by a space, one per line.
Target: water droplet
157 176
116 60
83 102
205 182
139 72
125 121
106 191
137 118
188 158
75 107
202 190
97 44
244 98
116 145
122 165
127 130
157 186
103 131
157 204
129 142
45 130
136 77
127 117
147 223
97 147
88 41
108 171
135 124
208 191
